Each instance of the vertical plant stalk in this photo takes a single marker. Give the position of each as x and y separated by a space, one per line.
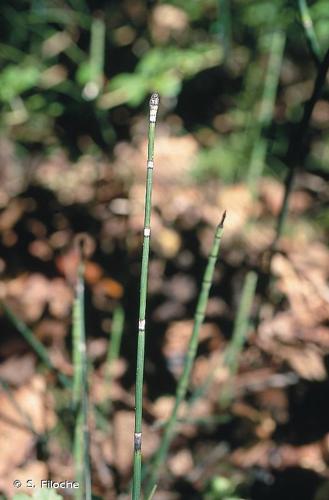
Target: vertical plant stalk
310 35
162 451
294 156
96 60
80 392
265 115
136 489
240 330
224 25
36 345
97 51
114 347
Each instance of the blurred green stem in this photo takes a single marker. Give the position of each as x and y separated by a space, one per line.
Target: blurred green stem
265 115
80 393
114 347
224 25
152 493
97 51
162 451
241 326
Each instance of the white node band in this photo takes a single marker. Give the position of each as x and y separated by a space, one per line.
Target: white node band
150 164
141 324
147 232
153 114
138 441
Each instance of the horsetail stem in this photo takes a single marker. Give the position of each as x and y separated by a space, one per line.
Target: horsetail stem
78 337
162 451
80 391
136 489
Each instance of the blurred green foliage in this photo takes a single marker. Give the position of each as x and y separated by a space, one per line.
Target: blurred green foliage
164 69
221 488
75 73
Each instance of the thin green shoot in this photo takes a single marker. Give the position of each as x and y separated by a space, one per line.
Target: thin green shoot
80 392
225 25
79 339
137 474
240 331
161 454
114 347
95 65
97 54
152 493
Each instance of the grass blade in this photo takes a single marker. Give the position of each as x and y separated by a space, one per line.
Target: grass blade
136 490
162 451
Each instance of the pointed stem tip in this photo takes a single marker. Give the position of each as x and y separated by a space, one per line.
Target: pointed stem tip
155 100
221 224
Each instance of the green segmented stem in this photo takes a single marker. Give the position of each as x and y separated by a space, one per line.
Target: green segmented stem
162 451
310 35
80 393
136 489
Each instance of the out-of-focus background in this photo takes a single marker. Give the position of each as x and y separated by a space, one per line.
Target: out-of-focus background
233 78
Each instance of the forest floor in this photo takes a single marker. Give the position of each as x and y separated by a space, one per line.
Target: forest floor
274 434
